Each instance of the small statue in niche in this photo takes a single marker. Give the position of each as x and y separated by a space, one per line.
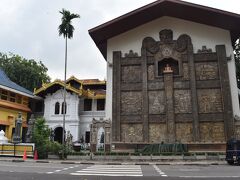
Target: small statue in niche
168 68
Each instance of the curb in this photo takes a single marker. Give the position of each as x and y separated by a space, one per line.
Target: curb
198 163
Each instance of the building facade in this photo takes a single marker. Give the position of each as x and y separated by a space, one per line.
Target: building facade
14 99
171 75
85 100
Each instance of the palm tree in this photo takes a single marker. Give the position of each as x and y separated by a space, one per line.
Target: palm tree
66 29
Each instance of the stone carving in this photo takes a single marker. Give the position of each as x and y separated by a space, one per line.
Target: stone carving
18 127
182 101
151 72
209 100
156 102
97 128
206 71
157 133
29 134
185 71
150 45
166 36
237 131
204 50
182 43
131 102
212 132
184 132
131 74
132 132
131 54
166 51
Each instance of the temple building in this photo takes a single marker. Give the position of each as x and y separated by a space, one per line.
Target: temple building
14 99
171 75
85 100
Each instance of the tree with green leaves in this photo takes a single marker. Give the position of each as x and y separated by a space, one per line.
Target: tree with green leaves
237 60
41 134
66 29
27 73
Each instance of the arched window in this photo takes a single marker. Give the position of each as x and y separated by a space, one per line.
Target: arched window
57 108
64 108
172 63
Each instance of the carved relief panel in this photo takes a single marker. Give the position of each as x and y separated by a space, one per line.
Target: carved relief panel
212 132
131 74
156 102
206 71
131 132
185 71
182 101
157 133
184 132
151 72
131 102
209 100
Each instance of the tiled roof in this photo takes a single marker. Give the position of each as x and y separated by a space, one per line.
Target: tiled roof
6 82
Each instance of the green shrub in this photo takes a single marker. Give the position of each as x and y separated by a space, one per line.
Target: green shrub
55 147
41 134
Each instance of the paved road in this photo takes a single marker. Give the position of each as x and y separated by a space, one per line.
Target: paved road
44 171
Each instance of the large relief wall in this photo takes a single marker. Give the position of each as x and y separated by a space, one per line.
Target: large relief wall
210 100
169 93
131 102
156 102
206 71
131 74
157 132
131 132
182 99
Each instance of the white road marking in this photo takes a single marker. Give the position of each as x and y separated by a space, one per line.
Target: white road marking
110 170
159 171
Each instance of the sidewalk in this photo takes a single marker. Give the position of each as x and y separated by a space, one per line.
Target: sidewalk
118 162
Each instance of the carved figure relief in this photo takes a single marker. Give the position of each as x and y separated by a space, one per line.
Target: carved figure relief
157 133
237 132
132 132
151 72
185 71
184 132
206 71
166 35
131 102
209 100
182 102
131 74
156 102
212 132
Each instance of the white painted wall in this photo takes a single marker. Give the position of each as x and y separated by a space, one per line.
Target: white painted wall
201 35
56 120
77 120
87 116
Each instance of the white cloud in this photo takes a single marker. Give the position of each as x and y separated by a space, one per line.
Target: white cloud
29 28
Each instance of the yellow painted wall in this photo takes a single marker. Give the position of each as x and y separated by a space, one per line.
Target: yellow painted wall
10 116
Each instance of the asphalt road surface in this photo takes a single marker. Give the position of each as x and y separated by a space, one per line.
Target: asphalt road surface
45 171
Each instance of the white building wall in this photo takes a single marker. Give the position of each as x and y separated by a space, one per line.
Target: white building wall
56 120
86 117
201 35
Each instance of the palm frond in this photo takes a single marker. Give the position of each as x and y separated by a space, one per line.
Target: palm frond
66 28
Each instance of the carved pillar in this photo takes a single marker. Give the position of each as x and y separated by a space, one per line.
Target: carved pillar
226 93
168 83
145 97
116 104
196 133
